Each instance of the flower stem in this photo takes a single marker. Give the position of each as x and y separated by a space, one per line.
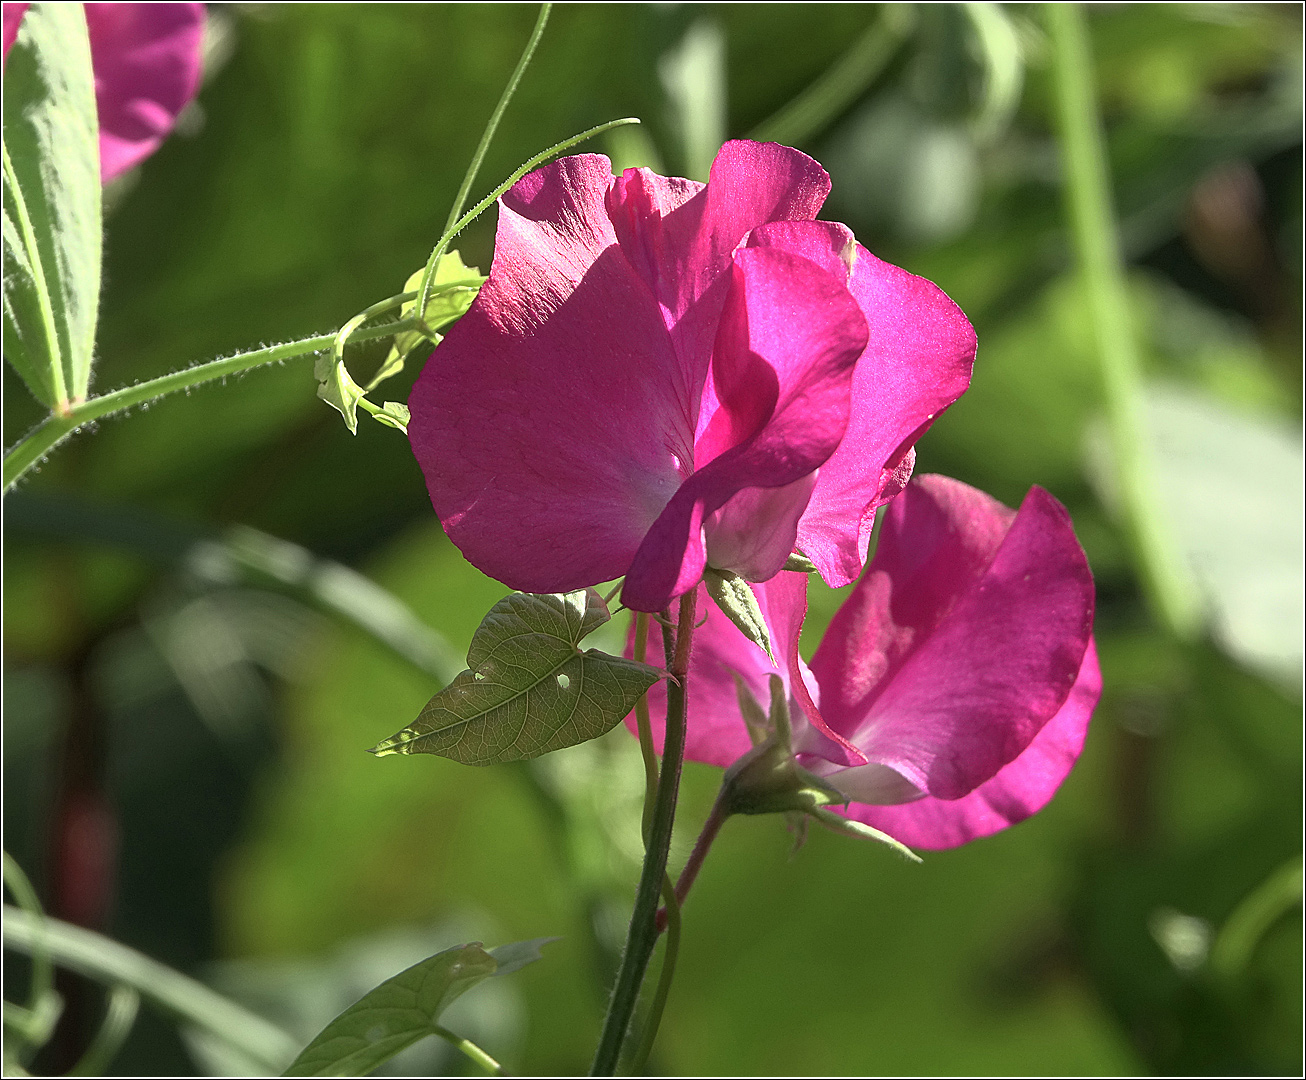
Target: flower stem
44 438
643 933
689 874
1093 222
670 915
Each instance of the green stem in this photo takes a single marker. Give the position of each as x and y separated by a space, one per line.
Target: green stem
379 308
98 957
1252 918
1097 241
645 728
33 254
470 1049
460 200
33 447
670 915
44 1005
669 956
643 933
124 1004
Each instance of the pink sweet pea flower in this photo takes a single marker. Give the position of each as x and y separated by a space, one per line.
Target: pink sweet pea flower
146 60
961 671
661 376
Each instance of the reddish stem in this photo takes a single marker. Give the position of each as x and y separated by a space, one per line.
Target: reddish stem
701 847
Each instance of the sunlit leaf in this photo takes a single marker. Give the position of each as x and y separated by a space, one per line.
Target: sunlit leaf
51 205
394 414
337 388
456 285
529 688
394 1015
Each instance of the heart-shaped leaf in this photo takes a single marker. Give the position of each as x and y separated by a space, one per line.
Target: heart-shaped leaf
51 205
529 688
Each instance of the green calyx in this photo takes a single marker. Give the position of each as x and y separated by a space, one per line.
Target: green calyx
767 780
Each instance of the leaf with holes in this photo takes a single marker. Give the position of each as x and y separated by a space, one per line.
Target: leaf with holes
529 688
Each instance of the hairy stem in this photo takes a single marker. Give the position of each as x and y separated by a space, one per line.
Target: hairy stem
643 933
670 915
44 438
689 874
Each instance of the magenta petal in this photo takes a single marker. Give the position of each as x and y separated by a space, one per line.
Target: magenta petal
13 17
680 235
782 360
962 640
147 69
552 424
754 533
917 362
1020 788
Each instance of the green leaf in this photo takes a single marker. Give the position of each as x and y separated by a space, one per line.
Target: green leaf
455 287
394 1015
393 414
51 205
337 388
529 689
736 599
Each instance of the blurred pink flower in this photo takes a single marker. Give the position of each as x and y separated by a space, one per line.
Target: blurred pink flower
961 670
662 375
146 60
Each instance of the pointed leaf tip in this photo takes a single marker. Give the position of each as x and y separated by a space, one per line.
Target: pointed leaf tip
848 827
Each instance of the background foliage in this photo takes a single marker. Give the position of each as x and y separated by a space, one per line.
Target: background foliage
171 681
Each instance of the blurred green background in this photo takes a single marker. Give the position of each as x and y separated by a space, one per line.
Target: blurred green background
208 691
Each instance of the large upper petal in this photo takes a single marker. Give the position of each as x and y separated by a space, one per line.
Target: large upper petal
552 423
680 235
1020 788
917 362
788 336
963 639
147 68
